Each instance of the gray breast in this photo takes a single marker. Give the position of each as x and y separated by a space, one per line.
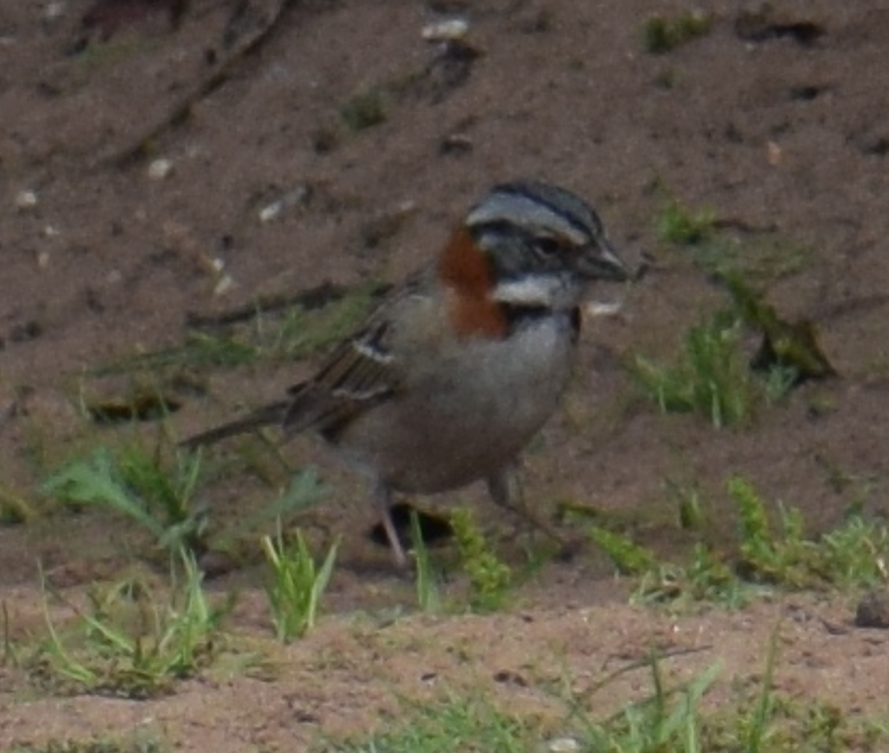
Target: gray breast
472 414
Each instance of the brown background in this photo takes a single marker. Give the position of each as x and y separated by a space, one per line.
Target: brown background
777 120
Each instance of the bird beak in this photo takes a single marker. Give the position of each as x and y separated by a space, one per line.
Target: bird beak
601 262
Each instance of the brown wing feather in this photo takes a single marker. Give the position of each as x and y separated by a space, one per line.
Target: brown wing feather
267 415
359 373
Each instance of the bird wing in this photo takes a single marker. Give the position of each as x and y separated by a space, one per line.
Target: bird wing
361 372
267 415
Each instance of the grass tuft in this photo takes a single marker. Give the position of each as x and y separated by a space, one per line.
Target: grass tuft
682 226
365 109
710 377
773 552
628 558
132 641
14 509
277 333
428 579
136 484
162 497
669 716
490 579
296 585
453 725
661 35
851 555
714 377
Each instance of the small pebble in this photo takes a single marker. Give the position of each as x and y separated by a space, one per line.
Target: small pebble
563 745
455 144
26 199
293 198
55 10
271 211
446 31
223 285
160 168
603 308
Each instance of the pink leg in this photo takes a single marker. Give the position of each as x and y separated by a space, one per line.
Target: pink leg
383 501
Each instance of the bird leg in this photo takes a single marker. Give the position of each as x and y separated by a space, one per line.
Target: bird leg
382 497
505 488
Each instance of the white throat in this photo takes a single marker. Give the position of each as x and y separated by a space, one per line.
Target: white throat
558 292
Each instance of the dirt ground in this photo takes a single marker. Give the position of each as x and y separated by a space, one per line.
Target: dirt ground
161 160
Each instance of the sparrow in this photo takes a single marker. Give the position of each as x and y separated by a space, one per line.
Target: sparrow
459 367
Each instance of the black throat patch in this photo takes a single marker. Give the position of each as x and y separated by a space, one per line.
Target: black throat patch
523 315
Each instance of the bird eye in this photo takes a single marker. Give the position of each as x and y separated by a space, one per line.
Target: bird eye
548 246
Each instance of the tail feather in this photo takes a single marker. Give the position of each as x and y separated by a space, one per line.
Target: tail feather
268 415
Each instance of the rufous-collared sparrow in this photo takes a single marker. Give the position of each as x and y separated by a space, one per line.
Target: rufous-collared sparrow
460 366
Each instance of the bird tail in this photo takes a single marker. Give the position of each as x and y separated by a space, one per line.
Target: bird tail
267 415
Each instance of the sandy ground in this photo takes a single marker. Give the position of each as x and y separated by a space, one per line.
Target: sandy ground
139 146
